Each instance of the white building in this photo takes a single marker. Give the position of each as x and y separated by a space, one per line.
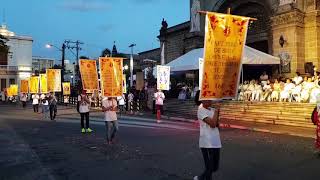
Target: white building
19 60
40 64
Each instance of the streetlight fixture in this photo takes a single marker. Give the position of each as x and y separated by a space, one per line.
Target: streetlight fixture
131 65
126 67
63 49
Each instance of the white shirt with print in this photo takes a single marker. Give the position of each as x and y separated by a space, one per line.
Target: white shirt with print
109 115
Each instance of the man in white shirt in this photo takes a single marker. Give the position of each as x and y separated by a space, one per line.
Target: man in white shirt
84 104
298 79
109 107
122 102
130 101
35 103
23 99
159 98
209 139
263 78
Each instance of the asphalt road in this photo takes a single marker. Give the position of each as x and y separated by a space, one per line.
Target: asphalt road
36 149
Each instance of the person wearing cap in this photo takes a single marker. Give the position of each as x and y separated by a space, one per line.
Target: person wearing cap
209 139
84 103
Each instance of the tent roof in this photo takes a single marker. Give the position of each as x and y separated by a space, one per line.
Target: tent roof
190 60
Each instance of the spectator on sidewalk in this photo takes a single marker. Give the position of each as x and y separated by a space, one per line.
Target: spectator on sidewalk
23 99
109 107
84 104
35 103
42 96
122 102
209 139
130 101
53 106
159 97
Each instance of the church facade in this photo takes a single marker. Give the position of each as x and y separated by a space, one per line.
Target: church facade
289 29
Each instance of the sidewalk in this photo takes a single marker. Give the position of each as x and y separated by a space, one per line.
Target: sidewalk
233 124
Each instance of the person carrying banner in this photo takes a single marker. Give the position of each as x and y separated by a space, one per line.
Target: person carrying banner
83 104
209 139
109 107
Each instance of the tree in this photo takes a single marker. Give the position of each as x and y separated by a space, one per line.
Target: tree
105 52
4 50
83 57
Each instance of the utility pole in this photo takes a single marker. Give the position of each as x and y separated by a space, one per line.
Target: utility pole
75 45
63 49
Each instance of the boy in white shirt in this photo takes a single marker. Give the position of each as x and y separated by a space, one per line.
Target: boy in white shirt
209 139
109 107
35 103
159 97
84 104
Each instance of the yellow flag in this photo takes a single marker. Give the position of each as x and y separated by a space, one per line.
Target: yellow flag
54 80
24 86
111 76
43 83
14 89
66 88
89 74
225 37
34 84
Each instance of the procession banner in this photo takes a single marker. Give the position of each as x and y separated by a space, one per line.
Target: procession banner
124 84
225 37
66 88
24 86
14 89
34 84
43 83
9 92
54 80
139 81
111 76
163 77
200 72
89 74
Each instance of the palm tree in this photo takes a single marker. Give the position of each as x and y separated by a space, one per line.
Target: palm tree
4 50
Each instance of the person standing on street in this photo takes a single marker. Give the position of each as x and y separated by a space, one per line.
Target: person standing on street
159 97
83 104
42 96
23 99
209 140
122 102
53 106
109 107
45 108
35 103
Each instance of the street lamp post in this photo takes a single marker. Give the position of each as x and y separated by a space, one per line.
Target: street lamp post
131 65
63 49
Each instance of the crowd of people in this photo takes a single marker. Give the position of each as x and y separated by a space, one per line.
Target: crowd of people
298 89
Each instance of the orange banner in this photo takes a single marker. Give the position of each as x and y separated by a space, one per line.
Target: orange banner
111 76
34 84
54 80
224 42
24 86
43 83
66 88
89 74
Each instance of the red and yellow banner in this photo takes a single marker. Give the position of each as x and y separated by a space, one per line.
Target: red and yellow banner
163 77
43 83
224 42
24 86
66 88
34 84
54 80
111 76
89 74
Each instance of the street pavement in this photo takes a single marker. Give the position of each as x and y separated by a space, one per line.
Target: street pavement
33 149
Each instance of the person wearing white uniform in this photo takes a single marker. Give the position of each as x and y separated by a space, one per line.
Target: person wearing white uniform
264 78
109 107
35 103
122 102
307 86
159 97
209 139
285 95
297 79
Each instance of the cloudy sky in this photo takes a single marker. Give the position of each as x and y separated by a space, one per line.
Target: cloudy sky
97 23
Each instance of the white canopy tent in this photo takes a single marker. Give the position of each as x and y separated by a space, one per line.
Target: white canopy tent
190 60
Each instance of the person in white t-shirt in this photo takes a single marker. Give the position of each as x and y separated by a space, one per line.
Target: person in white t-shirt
209 139
159 98
45 107
42 96
84 104
35 103
122 102
109 107
23 99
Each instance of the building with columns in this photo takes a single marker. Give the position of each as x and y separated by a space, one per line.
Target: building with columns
289 29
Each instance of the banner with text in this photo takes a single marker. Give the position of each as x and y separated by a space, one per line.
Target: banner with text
225 37
34 84
89 74
66 88
13 89
43 83
163 77
24 86
54 80
111 76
